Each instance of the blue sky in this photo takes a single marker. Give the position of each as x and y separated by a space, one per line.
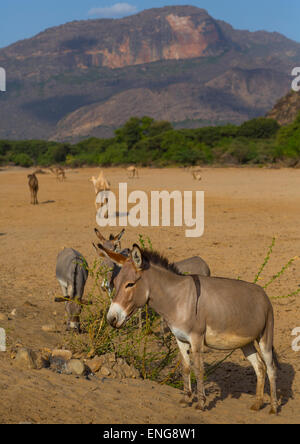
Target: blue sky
21 19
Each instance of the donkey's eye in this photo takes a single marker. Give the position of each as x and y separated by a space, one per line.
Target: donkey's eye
130 284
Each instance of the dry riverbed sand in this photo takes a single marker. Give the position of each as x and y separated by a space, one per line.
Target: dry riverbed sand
244 209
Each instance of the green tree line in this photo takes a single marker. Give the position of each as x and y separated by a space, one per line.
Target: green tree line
146 142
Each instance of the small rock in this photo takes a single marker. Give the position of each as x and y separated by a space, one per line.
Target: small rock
75 367
41 360
128 371
63 354
25 358
13 312
50 328
95 364
110 357
3 317
58 365
105 371
29 304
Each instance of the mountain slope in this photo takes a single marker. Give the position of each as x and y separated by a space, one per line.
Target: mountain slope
286 109
175 63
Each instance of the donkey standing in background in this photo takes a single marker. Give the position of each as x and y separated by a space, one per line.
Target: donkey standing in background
34 187
72 274
110 268
227 314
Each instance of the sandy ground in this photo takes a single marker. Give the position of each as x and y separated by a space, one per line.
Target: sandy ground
244 209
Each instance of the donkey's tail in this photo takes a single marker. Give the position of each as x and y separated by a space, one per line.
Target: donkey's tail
275 358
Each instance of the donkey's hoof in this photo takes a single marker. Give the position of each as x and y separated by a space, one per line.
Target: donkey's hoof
273 410
200 406
256 406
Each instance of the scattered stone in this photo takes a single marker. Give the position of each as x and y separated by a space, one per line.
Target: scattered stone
3 317
109 365
95 364
25 359
110 357
75 367
50 328
105 371
29 304
58 365
13 312
63 354
41 360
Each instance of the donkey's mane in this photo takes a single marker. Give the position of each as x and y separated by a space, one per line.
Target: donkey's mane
158 259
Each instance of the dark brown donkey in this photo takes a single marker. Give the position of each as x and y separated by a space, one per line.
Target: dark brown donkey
229 314
34 187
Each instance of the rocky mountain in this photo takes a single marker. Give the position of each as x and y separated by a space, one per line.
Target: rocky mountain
286 109
175 63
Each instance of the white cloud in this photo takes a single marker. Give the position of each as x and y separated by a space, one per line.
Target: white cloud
114 11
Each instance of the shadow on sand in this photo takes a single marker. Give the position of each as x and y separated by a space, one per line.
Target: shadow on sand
234 380
47 202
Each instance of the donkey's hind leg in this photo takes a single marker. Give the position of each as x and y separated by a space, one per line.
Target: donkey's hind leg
198 365
186 371
260 370
267 351
267 354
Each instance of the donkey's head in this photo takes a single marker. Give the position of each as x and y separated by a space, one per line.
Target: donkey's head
131 290
73 309
112 244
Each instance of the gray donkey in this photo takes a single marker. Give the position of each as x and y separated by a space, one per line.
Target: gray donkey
190 266
72 274
221 313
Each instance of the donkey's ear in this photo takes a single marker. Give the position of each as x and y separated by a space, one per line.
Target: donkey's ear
117 258
137 257
99 235
98 251
119 236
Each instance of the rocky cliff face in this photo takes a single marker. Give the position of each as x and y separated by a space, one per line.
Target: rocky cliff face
176 63
153 35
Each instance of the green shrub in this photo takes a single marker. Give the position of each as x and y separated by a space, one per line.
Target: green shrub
23 160
259 128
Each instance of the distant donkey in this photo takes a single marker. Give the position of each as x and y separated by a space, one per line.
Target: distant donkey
34 187
72 274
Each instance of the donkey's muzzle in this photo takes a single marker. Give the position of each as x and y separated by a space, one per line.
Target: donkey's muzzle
112 320
116 316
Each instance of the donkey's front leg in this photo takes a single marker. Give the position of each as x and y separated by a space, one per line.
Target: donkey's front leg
198 364
186 372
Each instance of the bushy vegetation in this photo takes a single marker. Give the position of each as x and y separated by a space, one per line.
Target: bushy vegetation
147 142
